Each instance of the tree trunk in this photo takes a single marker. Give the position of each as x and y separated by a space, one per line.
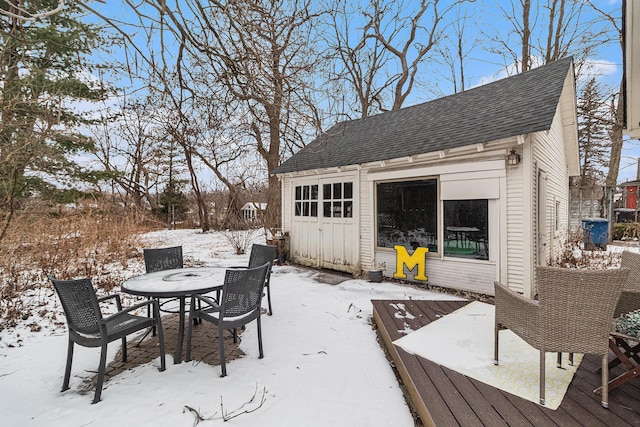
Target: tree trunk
616 140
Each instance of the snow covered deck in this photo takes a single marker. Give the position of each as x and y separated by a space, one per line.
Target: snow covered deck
443 397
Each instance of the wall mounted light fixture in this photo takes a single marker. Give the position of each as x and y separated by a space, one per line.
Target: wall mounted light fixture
513 158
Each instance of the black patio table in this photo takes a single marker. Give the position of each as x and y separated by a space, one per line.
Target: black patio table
178 283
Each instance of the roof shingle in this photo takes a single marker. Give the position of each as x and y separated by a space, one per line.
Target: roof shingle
517 105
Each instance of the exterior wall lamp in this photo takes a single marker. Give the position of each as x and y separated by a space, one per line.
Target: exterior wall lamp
513 158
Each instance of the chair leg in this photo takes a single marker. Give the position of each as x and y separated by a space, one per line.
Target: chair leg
605 381
101 369
495 345
163 364
149 314
269 299
542 377
571 359
559 361
189 332
221 344
67 369
124 349
260 338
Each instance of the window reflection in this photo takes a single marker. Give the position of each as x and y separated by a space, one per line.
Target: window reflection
466 229
407 214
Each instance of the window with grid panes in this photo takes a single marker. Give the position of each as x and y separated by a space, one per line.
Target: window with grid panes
306 200
337 200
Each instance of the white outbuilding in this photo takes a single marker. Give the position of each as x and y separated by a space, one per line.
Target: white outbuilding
252 211
458 192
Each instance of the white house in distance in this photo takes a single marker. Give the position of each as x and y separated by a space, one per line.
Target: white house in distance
251 211
479 178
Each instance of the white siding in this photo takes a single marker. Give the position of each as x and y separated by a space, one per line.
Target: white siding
287 205
549 156
367 223
451 273
516 226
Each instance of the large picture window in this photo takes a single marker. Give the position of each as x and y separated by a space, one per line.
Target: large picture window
466 229
407 214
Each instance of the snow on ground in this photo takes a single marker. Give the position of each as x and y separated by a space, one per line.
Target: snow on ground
322 364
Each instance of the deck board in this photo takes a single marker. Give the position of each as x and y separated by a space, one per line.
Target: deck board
443 397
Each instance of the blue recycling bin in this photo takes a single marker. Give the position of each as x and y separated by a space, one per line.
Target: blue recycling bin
596 232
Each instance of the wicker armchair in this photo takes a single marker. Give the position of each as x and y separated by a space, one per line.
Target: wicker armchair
88 328
573 314
630 298
240 304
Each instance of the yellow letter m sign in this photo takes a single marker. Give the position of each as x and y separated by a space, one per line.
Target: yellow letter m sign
411 261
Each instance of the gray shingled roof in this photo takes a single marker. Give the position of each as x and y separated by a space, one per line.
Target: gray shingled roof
517 105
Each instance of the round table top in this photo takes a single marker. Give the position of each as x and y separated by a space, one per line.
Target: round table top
177 282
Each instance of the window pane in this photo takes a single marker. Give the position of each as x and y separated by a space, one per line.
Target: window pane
337 191
305 209
298 208
337 209
298 193
348 190
305 192
314 192
466 229
327 209
348 209
326 191
407 214
314 208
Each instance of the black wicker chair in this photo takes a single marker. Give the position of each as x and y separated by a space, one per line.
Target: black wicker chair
240 304
261 254
159 259
88 328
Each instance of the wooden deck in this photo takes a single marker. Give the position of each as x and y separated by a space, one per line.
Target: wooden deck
443 397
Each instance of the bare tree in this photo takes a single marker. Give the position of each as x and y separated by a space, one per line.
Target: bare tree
410 39
127 147
559 28
260 54
457 51
542 31
617 102
359 62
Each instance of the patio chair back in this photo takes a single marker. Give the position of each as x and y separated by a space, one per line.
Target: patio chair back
80 305
261 254
576 307
159 259
630 298
242 291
